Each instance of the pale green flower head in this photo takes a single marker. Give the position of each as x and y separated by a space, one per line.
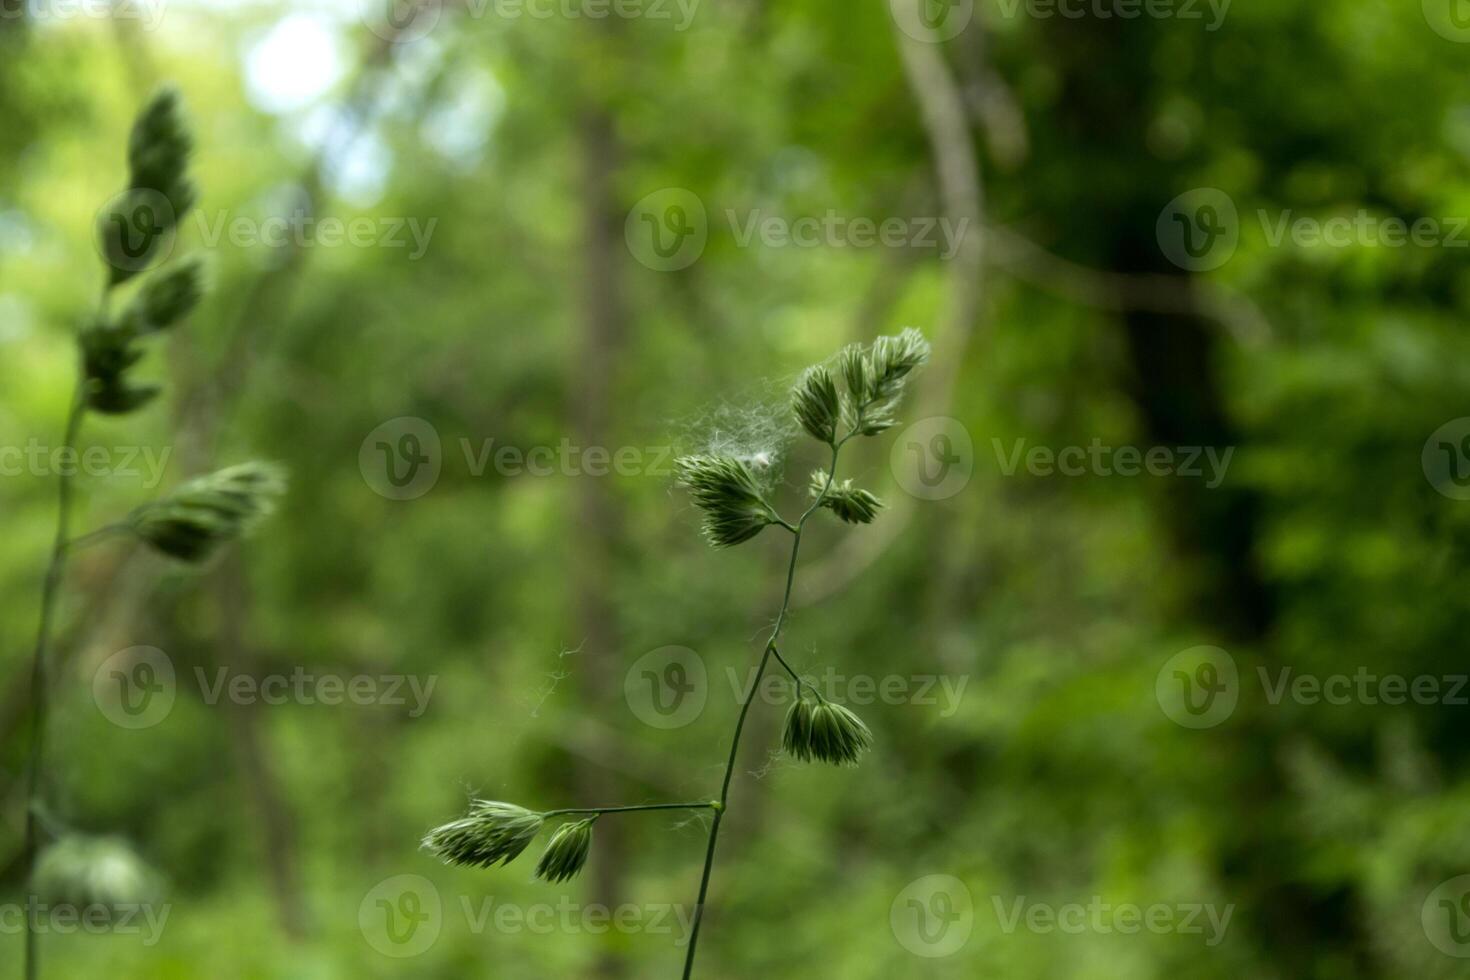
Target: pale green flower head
814 399
852 504
819 731
566 853
730 496
84 872
491 833
191 523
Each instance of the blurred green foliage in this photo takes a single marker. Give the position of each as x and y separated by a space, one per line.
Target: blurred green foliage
528 321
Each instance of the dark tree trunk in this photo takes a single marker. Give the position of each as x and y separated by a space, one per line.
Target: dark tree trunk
259 781
1174 367
597 512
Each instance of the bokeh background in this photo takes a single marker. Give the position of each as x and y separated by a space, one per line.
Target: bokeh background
1146 256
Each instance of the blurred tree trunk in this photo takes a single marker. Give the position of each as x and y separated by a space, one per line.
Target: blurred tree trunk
125 583
273 815
598 520
1175 367
14 24
15 30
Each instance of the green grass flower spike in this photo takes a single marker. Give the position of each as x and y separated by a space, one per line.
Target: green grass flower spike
566 853
492 833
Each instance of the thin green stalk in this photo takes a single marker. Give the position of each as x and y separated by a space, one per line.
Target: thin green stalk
795 677
92 537
39 678
749 699
733 499
705 805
